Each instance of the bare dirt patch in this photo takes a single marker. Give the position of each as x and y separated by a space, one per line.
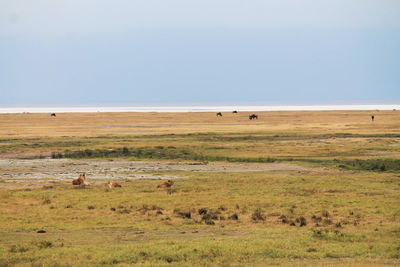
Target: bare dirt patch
39 171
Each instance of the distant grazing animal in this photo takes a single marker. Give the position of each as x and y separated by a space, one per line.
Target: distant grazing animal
80 180
168 183
235 111
372 117
253 116
113 184
53 114
219 114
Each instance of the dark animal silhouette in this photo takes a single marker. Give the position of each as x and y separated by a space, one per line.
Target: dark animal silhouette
219 114
235 111
53 114
80 180
253 116
168 183
372 117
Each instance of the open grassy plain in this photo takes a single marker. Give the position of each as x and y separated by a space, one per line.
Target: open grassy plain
291 188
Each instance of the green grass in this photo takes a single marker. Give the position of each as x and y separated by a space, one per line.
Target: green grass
351 217
372 164
343 210
158 152
237 145
190 153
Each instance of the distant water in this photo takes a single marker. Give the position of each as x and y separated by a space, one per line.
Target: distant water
204 108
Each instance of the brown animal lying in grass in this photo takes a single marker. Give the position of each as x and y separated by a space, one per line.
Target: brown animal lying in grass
113 184
168 183
80 180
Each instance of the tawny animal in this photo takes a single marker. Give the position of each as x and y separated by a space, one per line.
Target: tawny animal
80 180
113 184
168 183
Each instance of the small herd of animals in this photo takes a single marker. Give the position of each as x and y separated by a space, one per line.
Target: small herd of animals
81 180
255 116
251 117
219 114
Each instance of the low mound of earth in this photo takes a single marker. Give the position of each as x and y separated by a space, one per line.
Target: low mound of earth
38 171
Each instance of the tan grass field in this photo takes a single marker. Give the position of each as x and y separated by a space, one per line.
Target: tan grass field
135 123
291 188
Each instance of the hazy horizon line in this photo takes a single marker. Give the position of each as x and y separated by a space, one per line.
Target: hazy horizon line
197 108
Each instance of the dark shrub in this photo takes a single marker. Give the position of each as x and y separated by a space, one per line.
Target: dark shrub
316 219
44 244
202 211
258 215
284 219
233 217
303 221
183 214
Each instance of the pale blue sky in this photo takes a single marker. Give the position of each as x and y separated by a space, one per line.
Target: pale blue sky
168 52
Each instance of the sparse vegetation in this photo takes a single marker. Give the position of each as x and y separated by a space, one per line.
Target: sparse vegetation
344 211
258 215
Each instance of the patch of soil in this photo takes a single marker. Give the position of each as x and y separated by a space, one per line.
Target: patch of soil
39 171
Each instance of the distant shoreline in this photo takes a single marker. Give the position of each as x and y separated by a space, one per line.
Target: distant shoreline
196 108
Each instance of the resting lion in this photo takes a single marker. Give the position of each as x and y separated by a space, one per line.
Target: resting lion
168 183
113 184
80 180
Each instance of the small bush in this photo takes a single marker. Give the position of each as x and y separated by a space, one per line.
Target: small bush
234 217
202 211
210 222
284 219
303 221
15 249
124 211
90 207
46 200
183 214
316 219
44 244
258 215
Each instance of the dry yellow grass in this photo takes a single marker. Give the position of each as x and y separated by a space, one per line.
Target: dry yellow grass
94 124
351 217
